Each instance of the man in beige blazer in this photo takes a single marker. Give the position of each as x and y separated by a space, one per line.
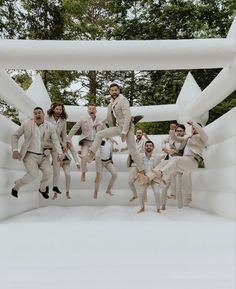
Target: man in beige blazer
106 152
119 120
89 126
191 159
150 161
57 116
39 137
140 140
176 148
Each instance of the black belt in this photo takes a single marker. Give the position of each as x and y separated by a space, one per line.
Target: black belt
38 154
110 159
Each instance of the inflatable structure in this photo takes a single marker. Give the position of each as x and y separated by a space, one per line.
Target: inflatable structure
195 246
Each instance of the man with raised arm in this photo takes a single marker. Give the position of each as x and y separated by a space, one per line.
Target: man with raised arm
120 124
39 136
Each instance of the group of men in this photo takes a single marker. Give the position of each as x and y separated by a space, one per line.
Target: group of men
46 136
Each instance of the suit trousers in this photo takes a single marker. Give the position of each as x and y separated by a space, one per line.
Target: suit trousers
116 131
84 150
184 164
132 175
171 183
33 163
142 190
112 170
177 177
66 169
56 168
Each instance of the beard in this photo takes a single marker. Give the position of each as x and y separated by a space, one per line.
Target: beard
114 95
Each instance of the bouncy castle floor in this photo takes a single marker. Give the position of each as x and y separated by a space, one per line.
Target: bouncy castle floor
113 247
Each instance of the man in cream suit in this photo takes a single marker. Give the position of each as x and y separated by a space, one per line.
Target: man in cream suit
65 164
140 141
106 152
191 159
175 149
39 136
119 120
57 116
150 161
89 126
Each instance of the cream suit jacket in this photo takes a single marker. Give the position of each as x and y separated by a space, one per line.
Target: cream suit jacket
50 138
61 130
196 142
86 127
121 111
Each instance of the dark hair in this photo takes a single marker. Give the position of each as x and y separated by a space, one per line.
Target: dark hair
53 106
38 107
91 104
149 141
181 126
199 124
113 85
139 129
174 122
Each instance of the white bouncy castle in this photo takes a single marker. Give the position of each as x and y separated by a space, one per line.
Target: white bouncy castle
85 243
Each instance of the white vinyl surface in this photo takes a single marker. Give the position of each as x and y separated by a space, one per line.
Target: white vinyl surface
113 247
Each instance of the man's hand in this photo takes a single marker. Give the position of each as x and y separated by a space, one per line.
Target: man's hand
166 150
16 155
190 122
78 166
68 144
173 126
123 137
114 142
60 157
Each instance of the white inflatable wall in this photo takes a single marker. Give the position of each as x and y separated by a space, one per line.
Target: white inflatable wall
214 186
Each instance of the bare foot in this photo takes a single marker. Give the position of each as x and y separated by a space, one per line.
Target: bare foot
189 200
95 195
163 207
54 196
68 195
159 211
141 210
109 193
133 198
83 178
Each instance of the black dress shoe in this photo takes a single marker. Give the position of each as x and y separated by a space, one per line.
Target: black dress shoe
14 193
56 190
45 194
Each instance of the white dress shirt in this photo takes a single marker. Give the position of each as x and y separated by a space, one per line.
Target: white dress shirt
148 163
36 141
106 149
93 131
